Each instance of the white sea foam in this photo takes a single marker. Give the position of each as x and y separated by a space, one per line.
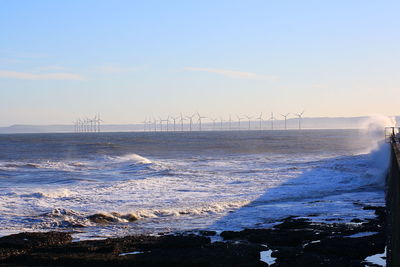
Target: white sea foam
135 158
60 193
266 257
377 259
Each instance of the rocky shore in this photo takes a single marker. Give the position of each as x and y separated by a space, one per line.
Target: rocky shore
293 242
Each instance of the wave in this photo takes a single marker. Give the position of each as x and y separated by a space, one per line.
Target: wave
46 164
133 158
99 163
53 194
67 218
347 174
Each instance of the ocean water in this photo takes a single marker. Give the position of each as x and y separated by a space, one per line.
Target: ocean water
111 184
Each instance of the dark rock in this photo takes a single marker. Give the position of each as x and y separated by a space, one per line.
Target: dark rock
102 218
208 233
156 251
35 240
292 223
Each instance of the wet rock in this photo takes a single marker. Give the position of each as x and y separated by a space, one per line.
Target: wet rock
300 242
207 233
101 218
293 223
34 240
154 251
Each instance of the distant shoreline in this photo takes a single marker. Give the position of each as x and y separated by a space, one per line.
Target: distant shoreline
310 123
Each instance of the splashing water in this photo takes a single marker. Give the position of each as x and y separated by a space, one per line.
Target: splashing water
374 127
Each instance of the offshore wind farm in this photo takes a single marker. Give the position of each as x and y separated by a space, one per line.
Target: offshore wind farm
196 122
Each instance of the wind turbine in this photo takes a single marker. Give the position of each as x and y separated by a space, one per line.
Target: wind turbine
145 124
230 122
82 121
213 120
285 116
98 120
190 121
161 121
167 120
155 124
80 125
239 119
92 124
248 118
182 119
87 128
299 115
199 119
221 121
272 118
260 118
174 119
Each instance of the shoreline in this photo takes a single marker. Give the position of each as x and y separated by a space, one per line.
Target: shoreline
293 242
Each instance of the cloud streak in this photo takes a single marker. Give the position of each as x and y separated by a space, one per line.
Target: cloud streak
40 76
117 69
234 74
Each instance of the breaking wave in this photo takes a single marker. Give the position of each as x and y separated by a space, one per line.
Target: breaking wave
67 218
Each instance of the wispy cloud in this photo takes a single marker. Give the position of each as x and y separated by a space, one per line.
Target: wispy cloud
235 74
51 68
30 55
40 76
117 69
320 86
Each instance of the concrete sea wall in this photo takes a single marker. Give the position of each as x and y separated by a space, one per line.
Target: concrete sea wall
393 208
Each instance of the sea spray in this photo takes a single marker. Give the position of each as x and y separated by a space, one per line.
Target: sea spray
374 128
379 151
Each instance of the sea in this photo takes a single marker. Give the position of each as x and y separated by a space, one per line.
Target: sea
99 185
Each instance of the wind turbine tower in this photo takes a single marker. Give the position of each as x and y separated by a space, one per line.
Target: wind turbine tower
213 120
167 121
190 121
91 125
155 124
182 119
260 119
249 120
272 118
98 120
145 124
87 125
239 120
174 119
161 121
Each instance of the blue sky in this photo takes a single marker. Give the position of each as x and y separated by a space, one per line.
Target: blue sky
60 60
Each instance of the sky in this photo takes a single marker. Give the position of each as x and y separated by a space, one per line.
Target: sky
131 60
